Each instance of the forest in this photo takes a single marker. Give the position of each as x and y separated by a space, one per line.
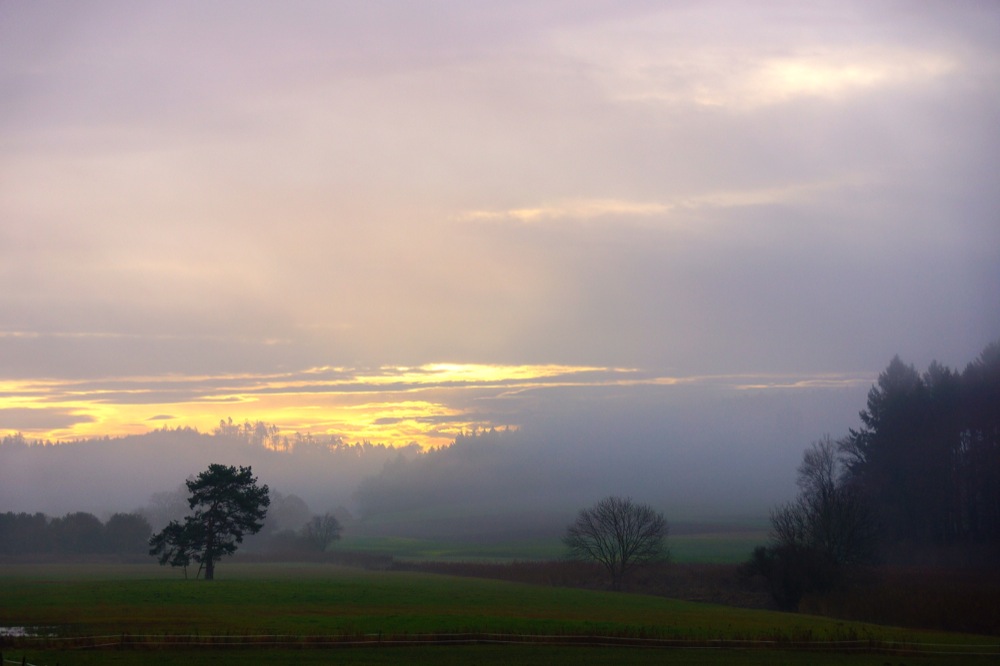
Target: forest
123 535
928 452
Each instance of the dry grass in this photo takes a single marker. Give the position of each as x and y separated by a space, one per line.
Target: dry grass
710 583
934 599
949 600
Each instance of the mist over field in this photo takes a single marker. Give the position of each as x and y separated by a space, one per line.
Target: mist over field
709 456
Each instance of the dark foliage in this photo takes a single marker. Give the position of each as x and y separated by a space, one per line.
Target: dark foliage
25 534
75 534
947 599
793 571
922 475
226 503
78 532
822 538
175 544
127 533
928 452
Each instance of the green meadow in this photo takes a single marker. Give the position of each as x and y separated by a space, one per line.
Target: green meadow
137 608
726 546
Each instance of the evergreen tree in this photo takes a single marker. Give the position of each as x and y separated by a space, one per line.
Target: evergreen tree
227 504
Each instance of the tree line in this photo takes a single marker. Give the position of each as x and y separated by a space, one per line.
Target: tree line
919 478
928 452
78 533
253 434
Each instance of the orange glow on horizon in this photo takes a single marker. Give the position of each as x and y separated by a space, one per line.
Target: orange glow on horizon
390 405
428 405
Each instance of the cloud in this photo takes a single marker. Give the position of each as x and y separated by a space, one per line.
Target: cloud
745 59
41 419
727 81
617 211
572 209
428 404
365 219
839 74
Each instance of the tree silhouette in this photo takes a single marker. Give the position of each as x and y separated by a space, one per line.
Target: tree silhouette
823 536
321 531
77 533
618 533
928 452
126 533
175 544
227 504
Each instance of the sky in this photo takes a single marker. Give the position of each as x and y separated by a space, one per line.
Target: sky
396 221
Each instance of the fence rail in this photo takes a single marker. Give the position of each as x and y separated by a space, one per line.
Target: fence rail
250 641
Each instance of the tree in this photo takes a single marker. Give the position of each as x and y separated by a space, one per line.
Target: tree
618 533
890 451
287 512
829 530
175 544
227 504
126 533
830 515
321 531
928 454
77 533
22 533
979 458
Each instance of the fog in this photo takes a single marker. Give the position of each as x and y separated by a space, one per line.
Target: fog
668 244
698 455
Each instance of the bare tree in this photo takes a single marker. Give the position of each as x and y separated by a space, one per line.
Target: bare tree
829 515
618 533
321 531
820 538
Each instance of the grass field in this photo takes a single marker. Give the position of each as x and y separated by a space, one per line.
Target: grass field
135 606
485 655
726 546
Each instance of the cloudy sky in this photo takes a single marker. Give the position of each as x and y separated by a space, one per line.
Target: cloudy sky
396 220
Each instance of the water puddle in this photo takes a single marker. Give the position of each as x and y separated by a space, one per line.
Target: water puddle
25 632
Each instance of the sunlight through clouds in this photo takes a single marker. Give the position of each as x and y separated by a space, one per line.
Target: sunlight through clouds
839 74
429 405
718 64
376 221
717 81
382 405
